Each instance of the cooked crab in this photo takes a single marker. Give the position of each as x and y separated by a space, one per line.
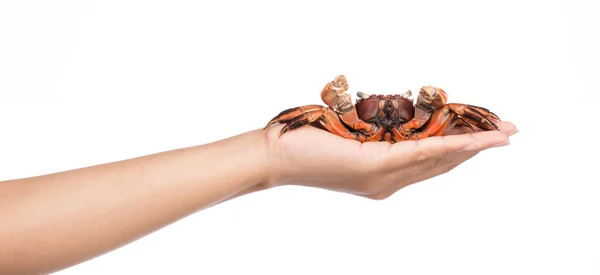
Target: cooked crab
391 118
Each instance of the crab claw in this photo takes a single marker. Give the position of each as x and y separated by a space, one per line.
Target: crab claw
430 96
335 96
340 83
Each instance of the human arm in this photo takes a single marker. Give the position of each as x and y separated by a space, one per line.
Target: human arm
54 221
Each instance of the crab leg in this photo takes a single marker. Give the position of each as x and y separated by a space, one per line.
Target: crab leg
461 122
290 116
297 117
420 118
485 112
445 118
403 131
331 121
350 117
441 119
476 116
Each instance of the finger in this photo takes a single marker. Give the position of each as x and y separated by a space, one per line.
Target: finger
459 131
505 127
407 153
419 177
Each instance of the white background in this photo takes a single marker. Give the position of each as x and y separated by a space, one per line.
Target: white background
89 82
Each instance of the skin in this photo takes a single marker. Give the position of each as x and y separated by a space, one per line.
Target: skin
51 222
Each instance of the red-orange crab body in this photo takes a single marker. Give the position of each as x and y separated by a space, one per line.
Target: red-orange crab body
387 111
391 118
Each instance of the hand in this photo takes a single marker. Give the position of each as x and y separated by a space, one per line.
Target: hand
313 157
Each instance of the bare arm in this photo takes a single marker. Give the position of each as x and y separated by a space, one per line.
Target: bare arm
54 221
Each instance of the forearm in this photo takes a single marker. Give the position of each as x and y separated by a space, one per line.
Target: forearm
53 221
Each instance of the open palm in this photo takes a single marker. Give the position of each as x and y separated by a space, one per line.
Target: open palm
313 157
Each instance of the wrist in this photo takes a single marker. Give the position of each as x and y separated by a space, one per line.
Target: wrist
259 156
271 153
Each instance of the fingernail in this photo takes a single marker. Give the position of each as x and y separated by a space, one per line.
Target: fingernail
471 147
513 132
